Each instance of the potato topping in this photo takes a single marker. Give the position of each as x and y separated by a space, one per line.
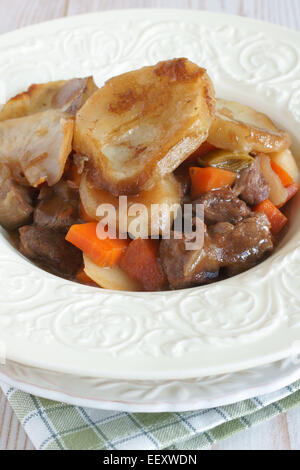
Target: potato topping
167 192
37 145
66 95
143 124
239 127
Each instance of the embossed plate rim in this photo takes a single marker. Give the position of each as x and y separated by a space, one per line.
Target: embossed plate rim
66 340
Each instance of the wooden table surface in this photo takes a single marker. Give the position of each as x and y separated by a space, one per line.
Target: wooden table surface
283 432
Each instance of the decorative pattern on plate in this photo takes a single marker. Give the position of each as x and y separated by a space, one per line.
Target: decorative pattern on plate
239 313
271 68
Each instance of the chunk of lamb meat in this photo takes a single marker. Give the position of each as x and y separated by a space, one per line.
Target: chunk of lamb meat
234 248
58 207
251 185
242 246
185 268
50 248
221 205
15 201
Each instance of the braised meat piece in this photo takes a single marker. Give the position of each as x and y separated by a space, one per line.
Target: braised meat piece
251 185
234 248
50 248
58 207
187 268
242 246
221 205
15 201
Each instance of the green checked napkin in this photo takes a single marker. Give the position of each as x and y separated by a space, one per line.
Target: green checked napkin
52 425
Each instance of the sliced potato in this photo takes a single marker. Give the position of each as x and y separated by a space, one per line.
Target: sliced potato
66 95
239 127
37 145
167 191
36 99
113 278
141 125
287 161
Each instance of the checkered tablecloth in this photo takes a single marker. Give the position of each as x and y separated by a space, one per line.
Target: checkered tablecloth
52 425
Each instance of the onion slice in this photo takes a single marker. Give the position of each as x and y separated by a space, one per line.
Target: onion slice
278 193
113 278
287 161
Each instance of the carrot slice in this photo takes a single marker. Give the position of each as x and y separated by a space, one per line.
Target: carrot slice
277 219
140 261
83 278
291 190
205 179
285 178
102 252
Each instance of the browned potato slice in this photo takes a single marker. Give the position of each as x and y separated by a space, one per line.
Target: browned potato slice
37 145
167 191
141 125
239 127
66 95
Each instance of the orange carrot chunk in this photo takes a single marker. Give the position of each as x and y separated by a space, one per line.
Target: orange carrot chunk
205 179
83 278
141 263
277 219
102 252
292 190
285 178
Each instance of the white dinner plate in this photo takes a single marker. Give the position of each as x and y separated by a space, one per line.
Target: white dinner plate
152 396
240 323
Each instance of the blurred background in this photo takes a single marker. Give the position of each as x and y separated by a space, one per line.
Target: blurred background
18 13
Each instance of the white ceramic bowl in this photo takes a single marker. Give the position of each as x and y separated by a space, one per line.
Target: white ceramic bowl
246 321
